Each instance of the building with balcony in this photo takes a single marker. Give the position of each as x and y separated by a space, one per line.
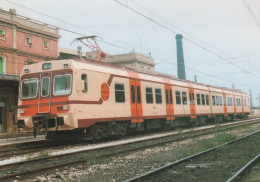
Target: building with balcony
22 41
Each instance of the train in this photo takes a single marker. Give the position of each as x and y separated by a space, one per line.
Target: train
84 98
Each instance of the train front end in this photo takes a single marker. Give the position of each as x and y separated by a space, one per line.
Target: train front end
44 97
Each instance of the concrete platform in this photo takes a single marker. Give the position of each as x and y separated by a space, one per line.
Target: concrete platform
20 139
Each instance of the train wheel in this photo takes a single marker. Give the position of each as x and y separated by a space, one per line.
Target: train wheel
98 133
122 130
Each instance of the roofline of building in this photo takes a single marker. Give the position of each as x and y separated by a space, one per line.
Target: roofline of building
36 22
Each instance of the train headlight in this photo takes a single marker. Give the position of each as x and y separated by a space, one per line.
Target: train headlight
21 111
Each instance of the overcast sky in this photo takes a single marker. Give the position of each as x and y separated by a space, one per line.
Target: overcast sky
224 28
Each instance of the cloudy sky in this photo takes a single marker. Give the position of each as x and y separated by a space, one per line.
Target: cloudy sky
221 38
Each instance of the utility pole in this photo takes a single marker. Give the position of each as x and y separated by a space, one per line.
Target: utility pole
259 102
233 86
251 99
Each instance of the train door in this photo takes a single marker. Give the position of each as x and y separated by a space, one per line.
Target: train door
225 104
234 104
44 103
169 103
136 101
192 103
242 104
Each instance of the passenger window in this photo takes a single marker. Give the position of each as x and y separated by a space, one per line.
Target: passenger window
202 99
138 94
217 103
184 98
178 97
149 95
220 100
193 99
207 99
120 93
45 86
213 100
225 101
84 78
167 96
190 99
198 99
158 96
133 93
170 96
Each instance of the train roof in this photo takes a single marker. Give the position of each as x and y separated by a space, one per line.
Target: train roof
144 74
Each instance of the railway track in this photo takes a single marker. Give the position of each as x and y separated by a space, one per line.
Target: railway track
241 173
215 164
45 161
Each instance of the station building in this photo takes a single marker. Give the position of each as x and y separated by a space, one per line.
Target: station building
22 41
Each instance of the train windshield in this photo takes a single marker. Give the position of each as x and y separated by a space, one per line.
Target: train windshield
29 88
62 84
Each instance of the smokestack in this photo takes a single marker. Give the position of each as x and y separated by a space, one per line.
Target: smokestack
195 78
180 58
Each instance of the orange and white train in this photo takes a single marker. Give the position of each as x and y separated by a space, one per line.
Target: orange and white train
95 99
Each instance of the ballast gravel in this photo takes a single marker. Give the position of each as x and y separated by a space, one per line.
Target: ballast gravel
131 164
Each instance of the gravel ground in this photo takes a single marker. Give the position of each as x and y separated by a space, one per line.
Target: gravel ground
124 166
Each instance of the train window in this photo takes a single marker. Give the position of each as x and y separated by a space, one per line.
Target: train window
193 99
213 100
133 93
45 86
202 99
198 99
244 102
225 101
178 97
184 98
207 99
217 103
149 95
170 96
167 96
158 96
62 84
120 93
234 102
190 99
231 103
220 100
138 94
29 88
85 79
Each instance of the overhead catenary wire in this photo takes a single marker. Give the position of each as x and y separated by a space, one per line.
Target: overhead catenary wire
67 23
193 42
74 32
251 12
